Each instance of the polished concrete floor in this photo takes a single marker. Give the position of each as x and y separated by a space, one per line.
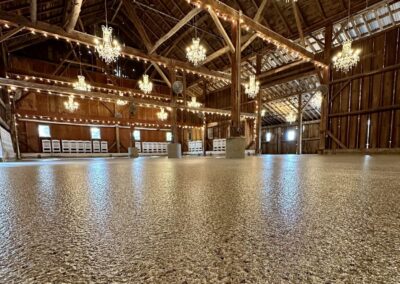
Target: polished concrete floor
270 219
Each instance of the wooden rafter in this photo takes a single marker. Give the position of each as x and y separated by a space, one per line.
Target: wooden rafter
298 22
11 33
74 15
89 40
221 30
33 11
133 17
176 28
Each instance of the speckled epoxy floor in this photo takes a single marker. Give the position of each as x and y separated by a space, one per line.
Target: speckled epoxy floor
270 219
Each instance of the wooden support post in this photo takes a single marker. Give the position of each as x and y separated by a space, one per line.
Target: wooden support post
34 11
76 10
258 109
235 130
300 136
117 138
174 125
325 80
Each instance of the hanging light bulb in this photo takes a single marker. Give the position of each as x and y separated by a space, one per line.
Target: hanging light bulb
145 84
263 112
196 53
109 50
291 117
347 58
71 105
81 85
194 103
316 101
162 115
252 87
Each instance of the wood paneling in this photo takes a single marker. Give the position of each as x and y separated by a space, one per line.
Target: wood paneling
364 107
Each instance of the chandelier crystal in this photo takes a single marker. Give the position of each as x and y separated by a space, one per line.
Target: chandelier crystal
196 53
81 85
252 87
194 103
145 84
291 117
162 115
316 101
121 102
109 50
71 105
347 58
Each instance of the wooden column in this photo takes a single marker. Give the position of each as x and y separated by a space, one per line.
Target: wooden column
117 139
300 128
258 109
174 124
235 130
325 81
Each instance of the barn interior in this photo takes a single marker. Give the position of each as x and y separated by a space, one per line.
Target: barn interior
199 141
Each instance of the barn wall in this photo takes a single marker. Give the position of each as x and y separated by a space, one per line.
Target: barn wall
279 143
364 104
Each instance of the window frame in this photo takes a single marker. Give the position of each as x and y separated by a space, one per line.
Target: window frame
167 133
289 133
91 133
49 130
134 136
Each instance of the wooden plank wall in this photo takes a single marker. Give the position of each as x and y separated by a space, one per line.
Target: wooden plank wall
364 106
280 145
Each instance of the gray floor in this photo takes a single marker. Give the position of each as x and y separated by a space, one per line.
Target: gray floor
270 219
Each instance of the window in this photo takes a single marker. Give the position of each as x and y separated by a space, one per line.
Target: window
268 136
95 133
136 135
44 131
168 136
291 135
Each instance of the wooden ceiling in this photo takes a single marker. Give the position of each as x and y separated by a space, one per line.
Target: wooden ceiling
155 18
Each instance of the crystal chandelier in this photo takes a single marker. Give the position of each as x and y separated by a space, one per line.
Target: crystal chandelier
316 101
291 117
145 84
81 85
109 50
121 102
71 105
252 87
162 115
347 58
196 53
194 103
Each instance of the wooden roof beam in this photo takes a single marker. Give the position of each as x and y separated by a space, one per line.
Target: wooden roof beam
33 11
298 22
263 32
221 30
47 30
10 33
76 10
175 29
55 90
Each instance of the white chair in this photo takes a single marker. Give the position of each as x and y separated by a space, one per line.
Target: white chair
96 146
46 146
88 147
56 145
73 146
104 146
81 146
66 146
